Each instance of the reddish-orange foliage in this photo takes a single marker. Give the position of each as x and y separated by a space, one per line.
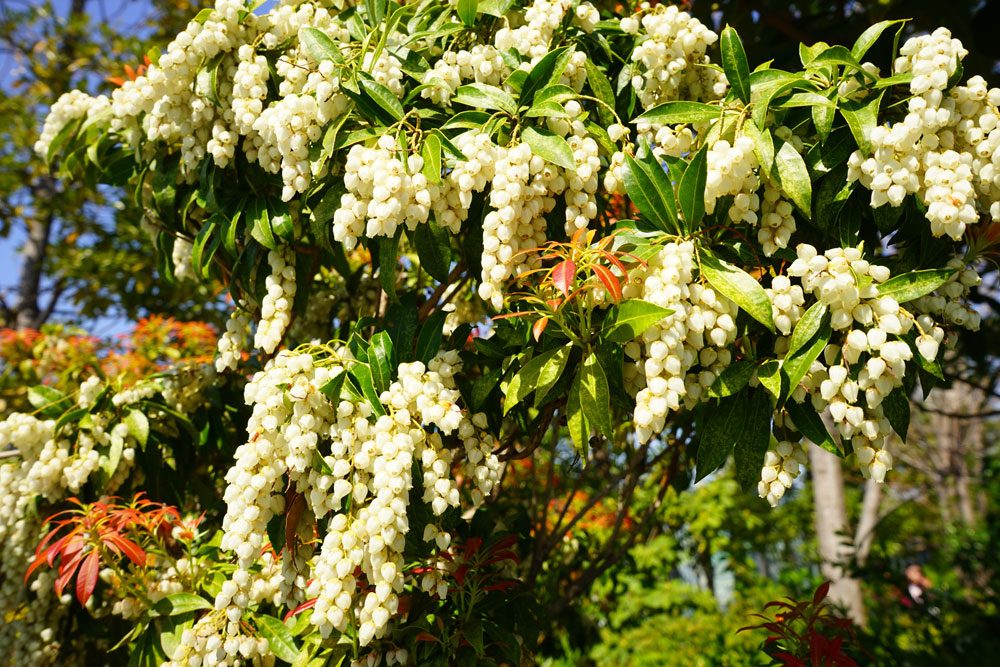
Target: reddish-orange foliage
84 537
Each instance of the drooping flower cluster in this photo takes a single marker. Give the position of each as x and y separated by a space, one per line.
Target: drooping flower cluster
783 463
680 356
276 309
947 148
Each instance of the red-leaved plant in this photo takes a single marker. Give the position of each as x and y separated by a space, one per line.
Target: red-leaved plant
808 633
92 535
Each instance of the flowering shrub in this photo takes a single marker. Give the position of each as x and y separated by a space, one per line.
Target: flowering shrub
418 210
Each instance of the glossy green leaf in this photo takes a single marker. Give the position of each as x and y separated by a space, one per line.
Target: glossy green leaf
319 46
483 96
577 421
896 406
628 320
868 38
763 145
752 444
594 397
807 327
433 246
542 370
49 401
734 63
769 376
797 364
546 71
138 426
808 422
739 286
466 10
279 637
431 335
383 97
431 153
549 146
862 117
603 91
382 361
388 262
915 284
645 187
724 425
793 177
673 113
731 380
691 190
181 603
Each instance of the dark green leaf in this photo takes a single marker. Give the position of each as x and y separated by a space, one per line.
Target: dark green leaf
541 371
734 63
869 37
549 146
793 177
576 419
181 603
797 364
770 377
467 11
915 284
807 327
739 286
49 401
896 406
630 319
547 70
433 249
383 97
279 637
431 334
483 96
431 153
595 400
691 191
319 46
732 380
388 261
752 444
382 361
602 90
808 422
862 117
724 425
672 113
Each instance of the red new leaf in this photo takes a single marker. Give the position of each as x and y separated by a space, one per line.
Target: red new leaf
562 276
610 282
86 582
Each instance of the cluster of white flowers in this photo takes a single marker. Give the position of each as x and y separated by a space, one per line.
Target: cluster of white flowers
777 224
357 574
680 356
671 58
532 39
782 464
384 191
232 342
948 303
69 107
276 310
465 177
731 172
205 645
868 329
947 148
482 63
180 255
787 302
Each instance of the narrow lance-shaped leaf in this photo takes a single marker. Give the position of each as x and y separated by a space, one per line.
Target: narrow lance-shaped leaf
594 397
691 191
734 63
673 113
915 284
542 370
549 146
739 286
754 439
630 319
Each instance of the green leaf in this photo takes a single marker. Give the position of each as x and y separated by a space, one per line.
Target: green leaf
541 371
896 406
770 377
734 63
383 97
862 117
754 439
672 113
807 327
576 419
915 284
362 373
739 286
433 249
763 145
467 11
261 230
319 46
388 260
630 319
549 146
837 55
279 637
808 422
334 387
797 364
483 96
138 426
382 361
731 380
181 603
431 334
724 425
644 186
546 71
595 400
869 37
603 91
431 153
691 191
793 177
49 401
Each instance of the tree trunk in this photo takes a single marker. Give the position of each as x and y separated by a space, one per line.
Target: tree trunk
831 522
27 309
868 521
